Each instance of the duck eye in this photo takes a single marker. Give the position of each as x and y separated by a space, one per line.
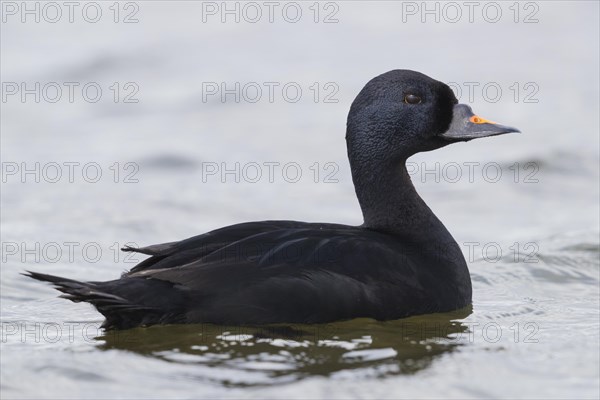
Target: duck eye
412 99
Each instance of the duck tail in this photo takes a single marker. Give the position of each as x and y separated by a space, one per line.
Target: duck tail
115 308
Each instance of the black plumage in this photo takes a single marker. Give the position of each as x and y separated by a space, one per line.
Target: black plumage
402 261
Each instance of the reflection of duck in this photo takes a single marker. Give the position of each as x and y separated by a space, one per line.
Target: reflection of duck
402 261
272 354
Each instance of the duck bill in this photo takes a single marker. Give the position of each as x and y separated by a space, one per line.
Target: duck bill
466 126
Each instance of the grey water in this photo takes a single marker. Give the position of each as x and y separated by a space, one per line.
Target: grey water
164 153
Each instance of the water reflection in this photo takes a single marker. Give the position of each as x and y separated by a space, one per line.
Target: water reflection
266 355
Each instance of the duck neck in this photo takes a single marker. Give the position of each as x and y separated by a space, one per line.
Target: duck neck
390 203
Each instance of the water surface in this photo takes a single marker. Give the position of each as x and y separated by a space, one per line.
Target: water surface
531 237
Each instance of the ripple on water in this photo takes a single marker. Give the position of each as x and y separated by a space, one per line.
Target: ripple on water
285 353
539 304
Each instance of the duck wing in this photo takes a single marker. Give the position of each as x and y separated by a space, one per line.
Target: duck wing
304 273
263 272
173 254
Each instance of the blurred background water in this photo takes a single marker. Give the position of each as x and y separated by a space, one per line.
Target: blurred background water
524 207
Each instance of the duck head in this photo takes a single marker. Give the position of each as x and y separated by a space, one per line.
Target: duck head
403 112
